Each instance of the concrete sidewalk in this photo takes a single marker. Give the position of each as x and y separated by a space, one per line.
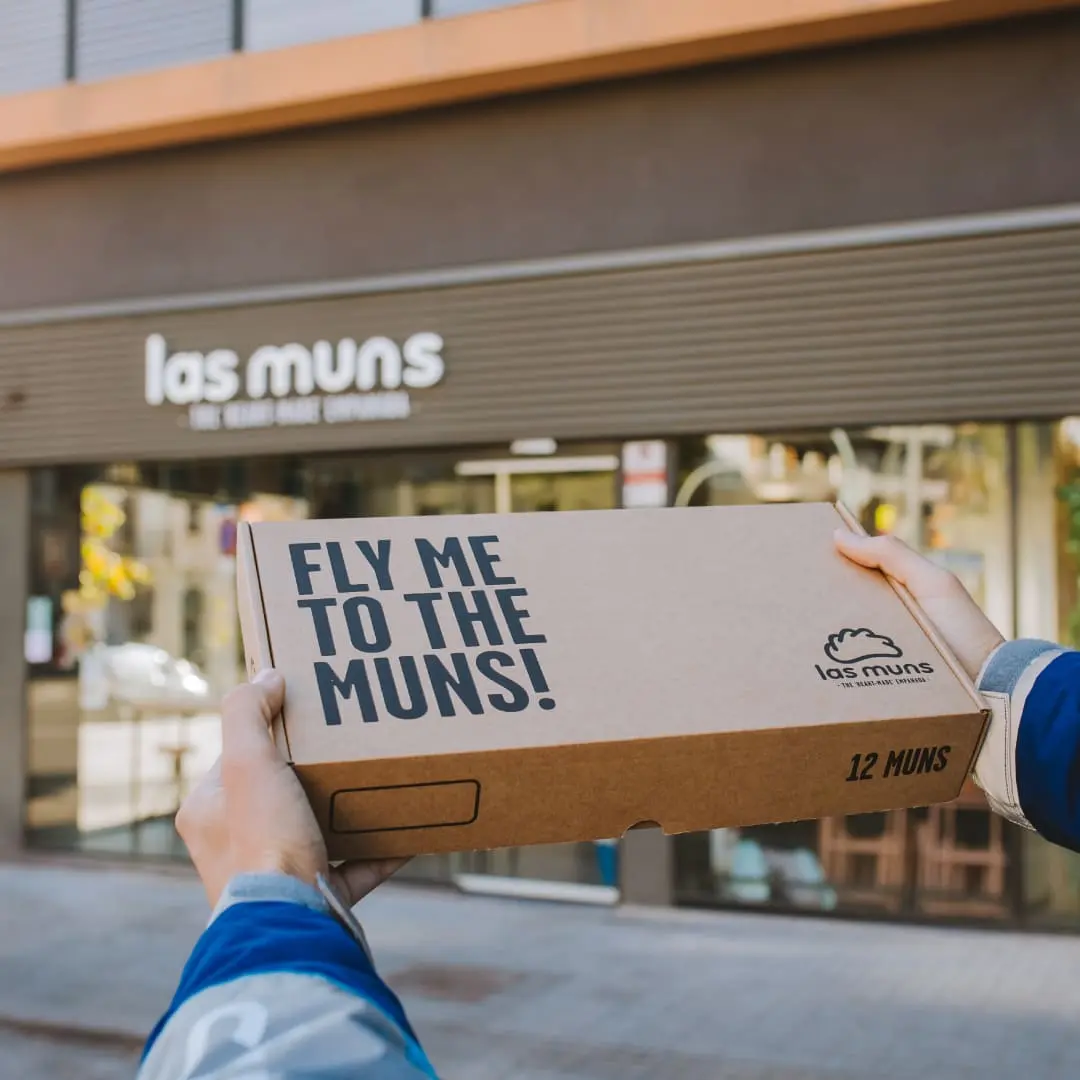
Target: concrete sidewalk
503 989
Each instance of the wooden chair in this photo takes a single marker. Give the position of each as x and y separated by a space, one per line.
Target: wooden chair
866 871
956 878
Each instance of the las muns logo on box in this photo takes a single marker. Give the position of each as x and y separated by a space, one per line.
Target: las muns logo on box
861 657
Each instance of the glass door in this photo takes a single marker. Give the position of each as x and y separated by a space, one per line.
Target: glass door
584 872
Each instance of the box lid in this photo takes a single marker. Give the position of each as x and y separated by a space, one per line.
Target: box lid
406 637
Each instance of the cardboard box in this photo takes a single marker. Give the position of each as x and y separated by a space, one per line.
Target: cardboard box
461 683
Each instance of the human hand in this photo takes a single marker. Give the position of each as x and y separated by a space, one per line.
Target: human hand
249 814
970 635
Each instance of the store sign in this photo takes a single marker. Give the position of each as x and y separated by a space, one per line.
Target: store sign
645 474
293 384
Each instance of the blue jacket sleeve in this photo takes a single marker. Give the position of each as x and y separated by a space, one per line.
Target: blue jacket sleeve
276 986
1029 766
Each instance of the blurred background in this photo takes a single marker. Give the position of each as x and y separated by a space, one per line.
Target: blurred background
266 260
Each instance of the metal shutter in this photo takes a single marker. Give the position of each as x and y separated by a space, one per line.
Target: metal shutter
273 24
33 44
977 328
116 37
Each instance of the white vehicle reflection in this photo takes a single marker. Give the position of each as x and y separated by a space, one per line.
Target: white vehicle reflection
147 678
148 732
747 872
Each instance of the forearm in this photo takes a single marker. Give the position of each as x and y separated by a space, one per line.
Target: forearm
1029 766
276 984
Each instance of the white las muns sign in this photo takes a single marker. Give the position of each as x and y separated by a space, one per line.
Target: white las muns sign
294 384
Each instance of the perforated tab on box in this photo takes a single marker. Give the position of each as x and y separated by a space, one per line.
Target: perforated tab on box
405 806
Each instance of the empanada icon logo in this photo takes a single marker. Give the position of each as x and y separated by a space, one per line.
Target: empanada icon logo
854 646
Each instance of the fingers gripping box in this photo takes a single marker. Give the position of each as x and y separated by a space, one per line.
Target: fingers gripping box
459 683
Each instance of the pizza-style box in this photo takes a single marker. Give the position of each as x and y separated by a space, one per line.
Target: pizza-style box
473 682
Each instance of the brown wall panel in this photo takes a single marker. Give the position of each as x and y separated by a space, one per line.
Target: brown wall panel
14 540
971 121
979 328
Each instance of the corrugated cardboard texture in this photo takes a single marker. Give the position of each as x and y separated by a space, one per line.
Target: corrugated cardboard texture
484 681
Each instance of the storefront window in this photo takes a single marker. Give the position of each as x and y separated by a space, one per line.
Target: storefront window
133 636
945 490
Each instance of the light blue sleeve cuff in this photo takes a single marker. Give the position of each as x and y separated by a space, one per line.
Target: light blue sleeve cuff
280 888
1005 681
1007 663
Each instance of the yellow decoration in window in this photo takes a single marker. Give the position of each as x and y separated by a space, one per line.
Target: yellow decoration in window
105 573
885 518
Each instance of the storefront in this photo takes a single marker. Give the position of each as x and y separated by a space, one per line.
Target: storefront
884 373
723 285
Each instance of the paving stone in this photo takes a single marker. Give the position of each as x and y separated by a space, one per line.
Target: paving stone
501 988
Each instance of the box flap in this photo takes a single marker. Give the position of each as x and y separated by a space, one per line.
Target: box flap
258 651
